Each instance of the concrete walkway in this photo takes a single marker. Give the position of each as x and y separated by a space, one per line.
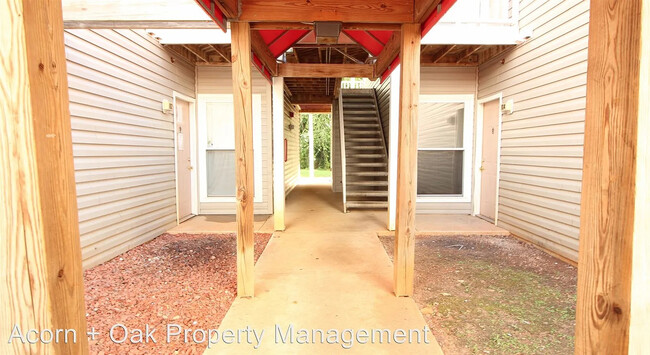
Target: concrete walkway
327 272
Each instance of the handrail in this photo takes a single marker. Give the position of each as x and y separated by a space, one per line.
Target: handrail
381 126
342 139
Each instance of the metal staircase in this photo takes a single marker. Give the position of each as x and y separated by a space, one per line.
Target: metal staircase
363 151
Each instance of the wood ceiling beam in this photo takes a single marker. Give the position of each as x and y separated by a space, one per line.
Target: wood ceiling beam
307 26
263 52
326 70
370 11
424 8
140 24
198 52
316 108
311 99
388 54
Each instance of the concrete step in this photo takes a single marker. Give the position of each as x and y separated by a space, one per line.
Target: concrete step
366 205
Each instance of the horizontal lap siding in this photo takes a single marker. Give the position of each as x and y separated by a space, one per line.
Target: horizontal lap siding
447 81
292 165
541 154
218 80
123 144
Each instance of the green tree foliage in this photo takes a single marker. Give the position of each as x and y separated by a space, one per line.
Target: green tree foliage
322 141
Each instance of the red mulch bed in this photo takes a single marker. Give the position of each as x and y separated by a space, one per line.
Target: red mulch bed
185 279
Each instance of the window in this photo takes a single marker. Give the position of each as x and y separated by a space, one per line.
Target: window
444 148
217 148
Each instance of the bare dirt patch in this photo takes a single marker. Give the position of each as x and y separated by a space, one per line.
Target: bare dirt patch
184 279
493 295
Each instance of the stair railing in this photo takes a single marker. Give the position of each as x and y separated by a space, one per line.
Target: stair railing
343 164
381 126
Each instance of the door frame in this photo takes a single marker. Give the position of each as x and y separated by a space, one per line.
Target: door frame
479 155
192 147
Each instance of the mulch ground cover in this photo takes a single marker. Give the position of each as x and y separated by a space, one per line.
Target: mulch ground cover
184 279
493 295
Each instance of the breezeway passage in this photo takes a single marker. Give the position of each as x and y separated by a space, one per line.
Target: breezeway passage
328 270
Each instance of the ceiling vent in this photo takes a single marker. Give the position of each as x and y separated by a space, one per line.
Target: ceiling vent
327 32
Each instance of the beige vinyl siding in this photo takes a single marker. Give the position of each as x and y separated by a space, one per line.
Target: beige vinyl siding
292 165
447 81
541 154
382 90
337 170
123 144
218 80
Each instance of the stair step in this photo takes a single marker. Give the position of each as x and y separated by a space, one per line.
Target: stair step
362 140
367 183
360 119
360 133
364 156
362 125
358 112
367 193
366 165
368 173
366 204
364 147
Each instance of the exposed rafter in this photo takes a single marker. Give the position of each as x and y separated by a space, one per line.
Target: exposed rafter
198 52
221 53
467 53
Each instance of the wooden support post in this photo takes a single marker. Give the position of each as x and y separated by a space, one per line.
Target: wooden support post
42 284
407 160
243 109
278 153
393 141
311 145
613 305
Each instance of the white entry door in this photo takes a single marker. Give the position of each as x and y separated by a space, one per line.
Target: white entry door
183 159
489 155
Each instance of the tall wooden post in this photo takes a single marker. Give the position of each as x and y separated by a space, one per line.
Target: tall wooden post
407 159
614 257
41 283
243 109
278 153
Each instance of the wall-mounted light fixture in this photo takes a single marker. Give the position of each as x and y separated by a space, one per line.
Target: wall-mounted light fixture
291 126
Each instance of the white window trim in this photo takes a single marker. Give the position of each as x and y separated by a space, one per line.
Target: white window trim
257 147
468 130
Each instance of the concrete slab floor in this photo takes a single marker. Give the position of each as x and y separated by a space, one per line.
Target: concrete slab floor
328 270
